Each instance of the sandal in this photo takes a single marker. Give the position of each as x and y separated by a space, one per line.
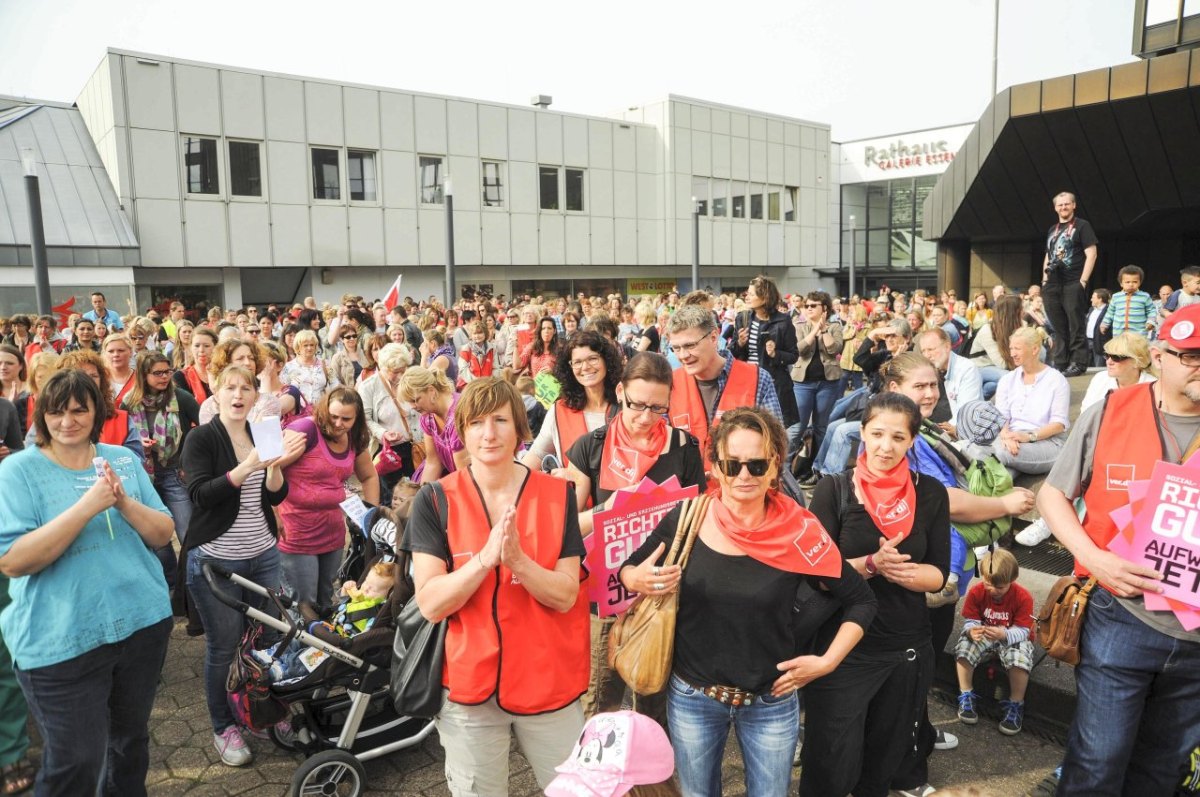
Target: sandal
17 778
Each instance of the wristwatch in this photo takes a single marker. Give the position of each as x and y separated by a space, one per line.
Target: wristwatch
1033 437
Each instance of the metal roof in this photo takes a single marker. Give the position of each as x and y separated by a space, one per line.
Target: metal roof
84 222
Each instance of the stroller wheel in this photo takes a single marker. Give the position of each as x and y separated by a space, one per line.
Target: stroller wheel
330 773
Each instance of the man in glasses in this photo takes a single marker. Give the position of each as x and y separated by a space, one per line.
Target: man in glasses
710 382
1138 680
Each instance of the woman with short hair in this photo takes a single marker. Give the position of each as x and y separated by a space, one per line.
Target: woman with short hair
1035 400
1126 362
429 392
308 372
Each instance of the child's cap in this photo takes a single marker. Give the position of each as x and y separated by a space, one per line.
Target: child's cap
615 752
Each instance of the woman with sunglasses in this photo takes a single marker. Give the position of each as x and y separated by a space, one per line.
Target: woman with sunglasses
636 443
348 362
1126 362
892 525
735 655
588 370
162 417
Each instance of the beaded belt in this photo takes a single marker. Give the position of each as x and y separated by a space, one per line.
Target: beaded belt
729 695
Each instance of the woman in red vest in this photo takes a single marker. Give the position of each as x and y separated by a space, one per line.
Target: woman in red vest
477 359
118 361
588 369
195 377
497 551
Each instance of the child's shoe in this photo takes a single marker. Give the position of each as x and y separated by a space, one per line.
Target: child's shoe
1014 716
966 708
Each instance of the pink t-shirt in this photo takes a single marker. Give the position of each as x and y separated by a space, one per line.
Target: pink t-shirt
313 522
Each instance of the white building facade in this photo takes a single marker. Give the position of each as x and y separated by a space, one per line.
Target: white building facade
249 187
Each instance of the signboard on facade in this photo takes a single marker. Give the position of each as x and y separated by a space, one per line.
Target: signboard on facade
641 287
908 155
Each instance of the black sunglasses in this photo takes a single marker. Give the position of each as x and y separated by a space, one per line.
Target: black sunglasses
733 467
1117 358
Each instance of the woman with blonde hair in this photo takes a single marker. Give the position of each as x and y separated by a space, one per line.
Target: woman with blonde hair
194 378
430 393
308 371
1035 401
391 422
438 354
117 350
269 382
1126 362
180 347
646 317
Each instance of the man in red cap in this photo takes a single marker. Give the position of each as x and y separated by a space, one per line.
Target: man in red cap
1138 680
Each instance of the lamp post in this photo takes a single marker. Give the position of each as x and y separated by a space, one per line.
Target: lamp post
37 232
695 244
853 257
448 192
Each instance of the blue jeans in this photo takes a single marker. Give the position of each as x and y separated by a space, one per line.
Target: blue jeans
851 380
990 375
842 404
840 444
93 711
814 402
174 494
766 732
309 576
1138 714
223 626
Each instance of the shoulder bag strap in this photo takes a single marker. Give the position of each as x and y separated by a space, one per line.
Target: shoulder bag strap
685 508
697 520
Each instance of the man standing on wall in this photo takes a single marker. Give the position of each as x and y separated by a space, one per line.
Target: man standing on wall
1066 268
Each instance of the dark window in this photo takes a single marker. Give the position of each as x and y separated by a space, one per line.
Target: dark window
327 182
548 187
720 199
431 180
493 191
360 168
200 158
245 169
756 203
739 201
574 189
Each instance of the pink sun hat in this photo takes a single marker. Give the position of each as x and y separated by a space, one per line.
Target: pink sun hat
616 751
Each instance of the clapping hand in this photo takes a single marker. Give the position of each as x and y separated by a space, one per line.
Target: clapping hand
896 567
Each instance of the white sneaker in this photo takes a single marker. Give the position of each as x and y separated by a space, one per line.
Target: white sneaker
232 747
920 791
1034 534
945 740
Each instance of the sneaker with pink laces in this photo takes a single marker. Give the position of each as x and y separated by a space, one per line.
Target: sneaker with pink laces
232 747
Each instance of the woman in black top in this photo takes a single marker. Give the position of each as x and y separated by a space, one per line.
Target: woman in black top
893 526
735 656
766 337
637 443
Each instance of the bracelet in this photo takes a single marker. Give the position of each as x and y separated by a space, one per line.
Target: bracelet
482 566
869 564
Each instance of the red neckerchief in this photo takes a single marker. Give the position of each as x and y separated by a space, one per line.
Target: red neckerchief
624 461
790 538
890 499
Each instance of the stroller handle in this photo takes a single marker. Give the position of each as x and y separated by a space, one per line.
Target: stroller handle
213 571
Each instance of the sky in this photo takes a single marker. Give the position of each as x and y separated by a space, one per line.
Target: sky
865 67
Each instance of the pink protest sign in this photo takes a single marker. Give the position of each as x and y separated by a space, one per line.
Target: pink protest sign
619 531
1165 533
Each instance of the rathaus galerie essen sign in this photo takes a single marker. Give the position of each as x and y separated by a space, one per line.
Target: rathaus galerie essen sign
906 155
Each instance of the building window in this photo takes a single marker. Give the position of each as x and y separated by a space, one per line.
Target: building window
493 188
200 159
700 193
773 206
720 199
360 169
431 180
327 182
548 187
739 201
245 169
789 204
756 203
574 179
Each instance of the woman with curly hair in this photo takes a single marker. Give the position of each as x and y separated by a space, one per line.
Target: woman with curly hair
588 369
244 354
541 354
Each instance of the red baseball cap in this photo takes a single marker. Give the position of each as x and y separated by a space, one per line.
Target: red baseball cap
1182 329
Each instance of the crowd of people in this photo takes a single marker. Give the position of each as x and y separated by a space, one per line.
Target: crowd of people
831 435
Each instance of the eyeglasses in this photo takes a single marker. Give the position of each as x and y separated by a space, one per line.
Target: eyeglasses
638 406
253 331
687 348
349 337
161 374
733 467
1190 359
812 306
137 337
591 362
1117 358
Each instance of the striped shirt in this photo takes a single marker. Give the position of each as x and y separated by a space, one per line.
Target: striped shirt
249 535
1129 312
752 343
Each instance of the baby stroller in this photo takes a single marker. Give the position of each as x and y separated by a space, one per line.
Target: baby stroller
341 713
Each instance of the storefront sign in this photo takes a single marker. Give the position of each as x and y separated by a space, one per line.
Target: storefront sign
639 287
908 155
620 531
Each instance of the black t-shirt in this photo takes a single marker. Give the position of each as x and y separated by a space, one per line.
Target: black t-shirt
425 531
681 459
1065 249
903 618
735 613
651 332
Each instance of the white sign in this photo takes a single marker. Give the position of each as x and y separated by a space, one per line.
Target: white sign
268 437
907 155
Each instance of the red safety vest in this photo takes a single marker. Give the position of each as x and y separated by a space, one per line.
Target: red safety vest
477 367
115 430
502 642
569 426
1124 453
687 408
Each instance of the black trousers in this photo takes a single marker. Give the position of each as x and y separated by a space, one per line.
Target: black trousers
914 769
861 721
1067 307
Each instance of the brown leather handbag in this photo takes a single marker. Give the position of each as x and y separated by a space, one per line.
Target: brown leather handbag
1060 621
641 643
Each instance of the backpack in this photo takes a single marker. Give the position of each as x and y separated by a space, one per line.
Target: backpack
984 477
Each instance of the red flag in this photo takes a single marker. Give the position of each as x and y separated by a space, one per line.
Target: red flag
393 295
